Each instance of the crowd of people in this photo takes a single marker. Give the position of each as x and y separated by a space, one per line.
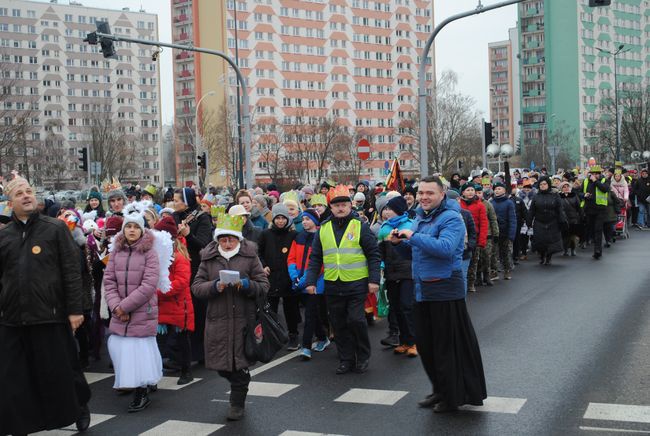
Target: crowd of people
165 279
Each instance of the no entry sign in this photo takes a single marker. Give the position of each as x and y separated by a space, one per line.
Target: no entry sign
363 149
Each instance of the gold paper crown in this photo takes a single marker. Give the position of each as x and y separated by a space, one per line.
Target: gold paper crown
228 223
291 196
318 199
215 210
111 185
338 191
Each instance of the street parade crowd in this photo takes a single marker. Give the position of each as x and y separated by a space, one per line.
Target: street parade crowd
162 279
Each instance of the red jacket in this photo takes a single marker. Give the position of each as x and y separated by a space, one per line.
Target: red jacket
477 209
175 307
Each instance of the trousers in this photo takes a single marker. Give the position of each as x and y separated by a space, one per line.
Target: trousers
348 319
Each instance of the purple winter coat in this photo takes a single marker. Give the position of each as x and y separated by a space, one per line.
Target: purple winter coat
130 281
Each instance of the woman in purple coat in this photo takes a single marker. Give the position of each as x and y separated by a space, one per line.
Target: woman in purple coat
130 282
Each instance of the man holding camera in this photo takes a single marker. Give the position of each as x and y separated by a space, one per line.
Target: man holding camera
596 198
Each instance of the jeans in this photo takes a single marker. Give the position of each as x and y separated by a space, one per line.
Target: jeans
643 214
465 270
314 325
400 298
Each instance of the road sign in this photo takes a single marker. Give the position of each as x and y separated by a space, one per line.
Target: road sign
95 168
386 165
363 149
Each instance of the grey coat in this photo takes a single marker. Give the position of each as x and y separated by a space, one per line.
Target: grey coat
230 311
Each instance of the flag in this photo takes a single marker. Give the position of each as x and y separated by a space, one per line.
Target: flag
395 181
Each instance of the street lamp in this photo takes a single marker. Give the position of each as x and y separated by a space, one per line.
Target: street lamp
504 151
615 54
197 138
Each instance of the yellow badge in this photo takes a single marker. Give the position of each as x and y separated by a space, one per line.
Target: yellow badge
36 249
285 249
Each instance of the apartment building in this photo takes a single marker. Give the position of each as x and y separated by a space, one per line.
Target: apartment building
352 60
75 98
501 114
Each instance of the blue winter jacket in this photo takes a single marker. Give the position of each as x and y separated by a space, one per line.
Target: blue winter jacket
506 216
436 249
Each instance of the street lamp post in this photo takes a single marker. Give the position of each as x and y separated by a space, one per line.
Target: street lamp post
197 138
618 127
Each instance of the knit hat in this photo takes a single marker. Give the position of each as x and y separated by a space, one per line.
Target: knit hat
271 187
280 209
116 193
452 195
113 225
307 190
478 188
467 186
95 194
136 218
313 215
397 205
498 185
168 210
359 197
380 203
564 184
411 190
167 224
262 200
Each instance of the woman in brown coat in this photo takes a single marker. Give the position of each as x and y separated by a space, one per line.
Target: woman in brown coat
230 307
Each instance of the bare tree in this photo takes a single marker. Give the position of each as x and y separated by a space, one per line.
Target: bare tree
219 137
452 127
329 133
298 140
270 148
346 160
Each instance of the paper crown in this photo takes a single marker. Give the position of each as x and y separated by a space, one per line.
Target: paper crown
111 185
318 199
486 181
229 225
215 210
151 190
339 192
290 196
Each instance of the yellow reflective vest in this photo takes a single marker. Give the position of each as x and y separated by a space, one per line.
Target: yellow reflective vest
345 262
601 197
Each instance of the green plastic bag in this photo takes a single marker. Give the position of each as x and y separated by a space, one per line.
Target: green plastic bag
382 301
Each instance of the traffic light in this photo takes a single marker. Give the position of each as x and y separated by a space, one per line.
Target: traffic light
83 159
202 161
487 130
597 3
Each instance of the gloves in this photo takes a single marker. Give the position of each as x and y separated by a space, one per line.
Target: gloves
293 272
245 283
162 329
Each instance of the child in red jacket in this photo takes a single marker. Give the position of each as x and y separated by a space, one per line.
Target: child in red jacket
175 309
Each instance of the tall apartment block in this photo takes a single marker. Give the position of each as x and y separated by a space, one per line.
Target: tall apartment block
501 96
67 85
356 60
566 71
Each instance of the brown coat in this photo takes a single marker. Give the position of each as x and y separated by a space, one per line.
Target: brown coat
229 311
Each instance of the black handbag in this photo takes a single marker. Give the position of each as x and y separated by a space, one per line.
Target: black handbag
265 336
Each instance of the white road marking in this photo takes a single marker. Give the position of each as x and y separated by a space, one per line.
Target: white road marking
182 428
169 383
618 412
498 405
305 433
95 419
371 396
613 430
274 363
93 377
273 390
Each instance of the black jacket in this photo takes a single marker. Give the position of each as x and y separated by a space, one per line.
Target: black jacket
370 249
547 218
40 273
470 227
251 232
274 246
200 234
571 206
641 189
520 211
396 266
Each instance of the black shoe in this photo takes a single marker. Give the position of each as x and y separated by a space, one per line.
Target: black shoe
140 400
294 343
548 260
443 407
185 378
597 255
83 422
343 368
235 413
573 252
237 405
566 253
430 401
392 340
362 367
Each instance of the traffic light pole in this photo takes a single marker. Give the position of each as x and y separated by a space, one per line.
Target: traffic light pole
422 91
240 78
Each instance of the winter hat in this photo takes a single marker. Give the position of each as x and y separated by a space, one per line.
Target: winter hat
411 190
262 200
397 205
313 215
96 195
168 210
117 193
380 203
134 217
359 197
275 194
167 224
563 184
478 188
238 210
113 225
307 190
452 195
498 185
271 187
392 194
281 209
189 198
467 186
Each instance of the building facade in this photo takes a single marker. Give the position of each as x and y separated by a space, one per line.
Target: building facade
501 92
70 97
354 61
568 73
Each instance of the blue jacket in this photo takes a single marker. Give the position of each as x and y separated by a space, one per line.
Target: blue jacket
436 249
506 216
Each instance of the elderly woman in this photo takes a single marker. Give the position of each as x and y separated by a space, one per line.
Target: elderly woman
547 218
230 306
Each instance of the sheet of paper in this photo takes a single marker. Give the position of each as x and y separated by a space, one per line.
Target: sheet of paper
228 277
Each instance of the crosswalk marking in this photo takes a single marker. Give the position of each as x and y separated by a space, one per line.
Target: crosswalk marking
498 405
274 390
305 433
618 412
182 428
274 363
613 430
371 396
166 383
95 419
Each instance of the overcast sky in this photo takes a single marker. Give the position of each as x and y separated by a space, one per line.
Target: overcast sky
461 46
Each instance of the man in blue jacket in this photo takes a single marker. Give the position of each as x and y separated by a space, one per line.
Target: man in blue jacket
444 333
507 219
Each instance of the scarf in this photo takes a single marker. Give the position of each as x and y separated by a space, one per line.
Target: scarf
229 254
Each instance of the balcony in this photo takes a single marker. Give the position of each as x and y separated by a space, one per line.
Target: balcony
185 74
186 110
181 18
186 91
181 2
183 36
184 55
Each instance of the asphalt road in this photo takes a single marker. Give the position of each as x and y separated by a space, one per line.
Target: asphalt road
565 349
